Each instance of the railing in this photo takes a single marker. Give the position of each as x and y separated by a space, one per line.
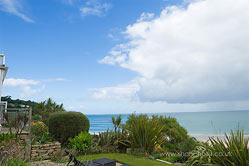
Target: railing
18 121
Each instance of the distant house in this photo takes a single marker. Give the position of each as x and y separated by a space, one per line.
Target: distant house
3 72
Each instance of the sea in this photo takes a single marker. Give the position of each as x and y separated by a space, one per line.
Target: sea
200 125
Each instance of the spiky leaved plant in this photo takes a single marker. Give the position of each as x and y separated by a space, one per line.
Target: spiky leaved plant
233 150
116 122
200 156
145 132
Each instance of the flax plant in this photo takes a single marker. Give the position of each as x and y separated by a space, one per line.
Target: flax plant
233 150
145 132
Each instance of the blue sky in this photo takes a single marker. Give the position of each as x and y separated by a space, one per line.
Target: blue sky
120 56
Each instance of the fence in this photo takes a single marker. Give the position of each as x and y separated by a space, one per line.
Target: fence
17 121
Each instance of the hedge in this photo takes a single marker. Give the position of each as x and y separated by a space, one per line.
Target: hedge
65 125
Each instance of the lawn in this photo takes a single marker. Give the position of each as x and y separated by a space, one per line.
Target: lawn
124 158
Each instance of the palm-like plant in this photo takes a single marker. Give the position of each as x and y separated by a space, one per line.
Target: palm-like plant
233 150
47 107
116 122
145 132
200 156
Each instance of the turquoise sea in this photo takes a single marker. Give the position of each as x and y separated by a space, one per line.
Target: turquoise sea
198 124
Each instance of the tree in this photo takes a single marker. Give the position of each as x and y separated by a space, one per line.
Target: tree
47 107
116 122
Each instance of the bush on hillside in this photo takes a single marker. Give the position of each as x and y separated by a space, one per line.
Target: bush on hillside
233 150
65 125
144 132
46 108
36 118
40 133
38 128
175 132
81 142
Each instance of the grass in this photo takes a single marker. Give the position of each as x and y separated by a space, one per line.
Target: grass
123 158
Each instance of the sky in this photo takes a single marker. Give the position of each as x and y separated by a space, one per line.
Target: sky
124 56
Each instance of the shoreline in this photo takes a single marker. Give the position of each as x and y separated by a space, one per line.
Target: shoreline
199 137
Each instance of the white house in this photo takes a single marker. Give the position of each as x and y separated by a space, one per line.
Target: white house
3 72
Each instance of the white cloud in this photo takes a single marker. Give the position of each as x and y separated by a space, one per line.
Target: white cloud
124 91
146 17
70 2
19 82
94 7
14 7
195 54
27 87
54 80
76 108
28 91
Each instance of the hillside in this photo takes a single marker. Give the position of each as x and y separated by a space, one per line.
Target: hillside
17 103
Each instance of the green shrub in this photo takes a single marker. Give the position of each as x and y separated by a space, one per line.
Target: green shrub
46 108
64 125
232 150
38 128
43 139
201 155
172 129
169 146
111 141
188 144
37 118
173 158
106 138
5 136
40 133
144 132
13 162
81 142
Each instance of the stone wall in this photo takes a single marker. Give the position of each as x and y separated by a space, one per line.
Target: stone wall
45 151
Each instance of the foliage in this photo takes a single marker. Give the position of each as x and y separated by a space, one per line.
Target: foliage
96 148
18 103
111 141
144 132
45 108
175 132
123 158
19 122
5 137
37 118
38 128
40 133
162 154
106 138
116 122
169 146
188 144
173 158
64 125
81 142
232 150
12 149
59 157
13 162
42 139
201 155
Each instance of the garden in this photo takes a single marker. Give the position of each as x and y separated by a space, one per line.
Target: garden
142 140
